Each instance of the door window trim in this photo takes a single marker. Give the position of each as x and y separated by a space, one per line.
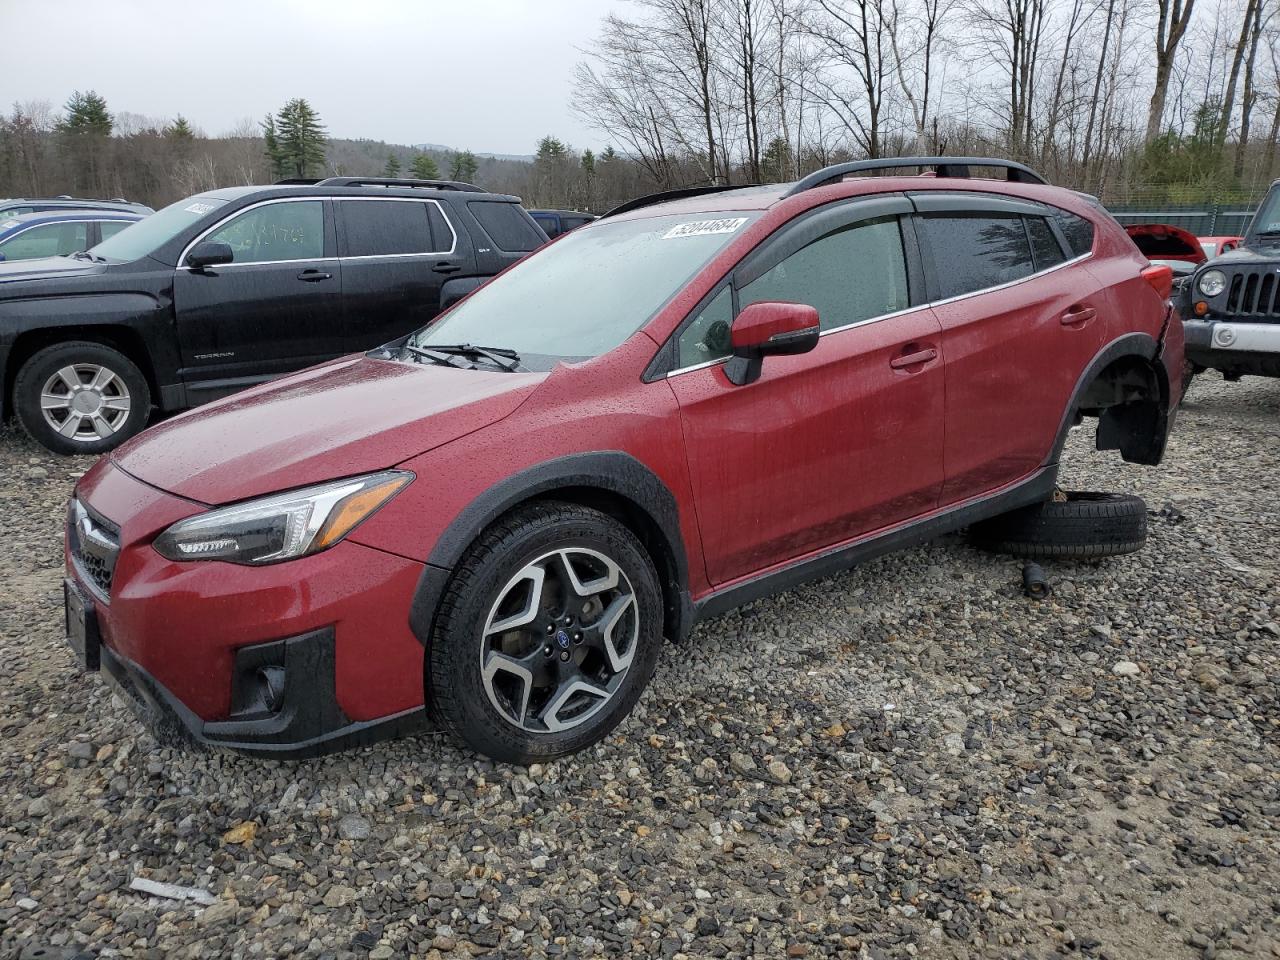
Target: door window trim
388 256
789 240
259 263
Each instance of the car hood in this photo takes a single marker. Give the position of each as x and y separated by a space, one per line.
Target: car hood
47 268
1161 241
1248 256
346 417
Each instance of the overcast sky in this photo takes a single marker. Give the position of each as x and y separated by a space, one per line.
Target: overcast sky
489 75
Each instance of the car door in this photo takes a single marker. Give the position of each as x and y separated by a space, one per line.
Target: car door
826 446
396 254
1019 325
276 307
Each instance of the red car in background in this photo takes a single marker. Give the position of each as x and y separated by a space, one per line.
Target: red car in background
703 397
1216 246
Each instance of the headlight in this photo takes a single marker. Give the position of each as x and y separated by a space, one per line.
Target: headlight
1212 282
283 526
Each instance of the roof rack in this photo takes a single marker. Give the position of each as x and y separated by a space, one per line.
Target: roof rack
943 166
665 195
399 182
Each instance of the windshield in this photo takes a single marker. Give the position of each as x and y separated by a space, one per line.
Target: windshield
139 239
1267 219
590 291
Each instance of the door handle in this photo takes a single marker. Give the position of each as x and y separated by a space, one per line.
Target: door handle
446 267
312 276
1078 316
914 358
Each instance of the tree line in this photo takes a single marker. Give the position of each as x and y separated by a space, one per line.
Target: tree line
1169 99
1111 96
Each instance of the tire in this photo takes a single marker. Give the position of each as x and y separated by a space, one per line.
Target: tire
474 684
116 404
1084 525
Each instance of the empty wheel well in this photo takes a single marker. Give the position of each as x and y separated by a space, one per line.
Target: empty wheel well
638 520
1129 399
118 338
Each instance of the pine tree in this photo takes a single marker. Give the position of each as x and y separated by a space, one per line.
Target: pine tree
550 150
464 166
275 156
86 116
588 163
180 129
392 169
85 135
424 168
300 138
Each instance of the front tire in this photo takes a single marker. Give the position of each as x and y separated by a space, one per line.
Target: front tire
547 634
81 397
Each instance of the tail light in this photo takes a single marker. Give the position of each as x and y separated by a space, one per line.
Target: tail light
1161 280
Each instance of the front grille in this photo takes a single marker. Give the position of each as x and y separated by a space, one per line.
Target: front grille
1255 293
94 543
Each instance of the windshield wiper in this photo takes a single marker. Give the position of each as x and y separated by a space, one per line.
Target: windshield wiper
444 359
501 357
86 255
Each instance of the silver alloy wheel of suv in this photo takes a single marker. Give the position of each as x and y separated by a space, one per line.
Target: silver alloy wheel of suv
85 402
559 640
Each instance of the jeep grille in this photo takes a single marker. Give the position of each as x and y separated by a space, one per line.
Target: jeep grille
1255 293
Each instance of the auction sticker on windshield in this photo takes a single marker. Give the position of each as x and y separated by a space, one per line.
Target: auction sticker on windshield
200 208
702 228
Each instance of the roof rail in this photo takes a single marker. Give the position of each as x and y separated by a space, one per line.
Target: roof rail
297 182
944 167
399 182
652 198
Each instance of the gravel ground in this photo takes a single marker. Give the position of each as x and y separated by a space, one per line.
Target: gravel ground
909 759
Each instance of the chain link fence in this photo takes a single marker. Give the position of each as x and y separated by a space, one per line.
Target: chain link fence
1214 215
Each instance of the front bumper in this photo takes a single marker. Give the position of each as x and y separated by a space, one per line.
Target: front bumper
1234 347
307 721
190 642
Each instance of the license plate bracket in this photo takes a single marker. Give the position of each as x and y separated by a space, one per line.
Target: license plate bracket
82 627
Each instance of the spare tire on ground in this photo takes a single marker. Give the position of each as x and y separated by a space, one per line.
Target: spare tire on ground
1082 525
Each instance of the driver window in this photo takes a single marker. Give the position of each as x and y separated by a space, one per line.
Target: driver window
275 232
852 274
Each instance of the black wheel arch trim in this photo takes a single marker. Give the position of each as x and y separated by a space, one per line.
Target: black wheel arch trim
612 473
1141 345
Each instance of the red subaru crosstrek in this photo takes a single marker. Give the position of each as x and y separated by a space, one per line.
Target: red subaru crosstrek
697 400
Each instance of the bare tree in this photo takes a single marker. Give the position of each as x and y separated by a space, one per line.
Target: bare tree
851 36
1171 25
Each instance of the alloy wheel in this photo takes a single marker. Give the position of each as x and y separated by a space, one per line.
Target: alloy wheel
85 402
559 640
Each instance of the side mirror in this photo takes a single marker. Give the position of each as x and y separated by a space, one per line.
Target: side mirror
766 328
1 257
209 254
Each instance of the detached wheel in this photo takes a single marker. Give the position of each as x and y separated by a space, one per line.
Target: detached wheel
1083 525
81 397
547 634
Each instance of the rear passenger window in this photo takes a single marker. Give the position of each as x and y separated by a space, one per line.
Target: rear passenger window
442 236
852 274
1077 230
506 225
1044 244
109 228
379 228
976 251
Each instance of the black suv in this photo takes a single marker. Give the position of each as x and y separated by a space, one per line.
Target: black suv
234 287
1232 304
